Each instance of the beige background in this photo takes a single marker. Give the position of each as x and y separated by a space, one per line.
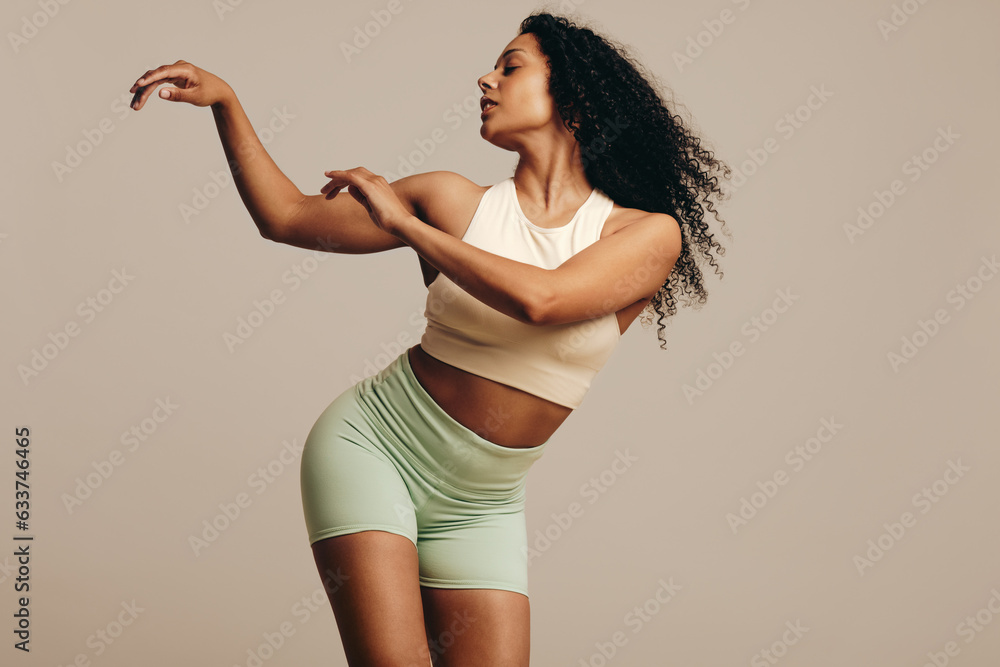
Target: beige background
665 517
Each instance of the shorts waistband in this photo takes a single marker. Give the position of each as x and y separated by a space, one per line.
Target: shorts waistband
440 443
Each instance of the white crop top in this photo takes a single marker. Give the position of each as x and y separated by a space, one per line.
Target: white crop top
556 362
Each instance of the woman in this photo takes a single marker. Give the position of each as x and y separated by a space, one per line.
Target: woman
413 479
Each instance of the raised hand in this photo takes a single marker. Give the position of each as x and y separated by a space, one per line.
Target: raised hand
193 85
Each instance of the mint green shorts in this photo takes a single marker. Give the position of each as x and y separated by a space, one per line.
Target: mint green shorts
385 456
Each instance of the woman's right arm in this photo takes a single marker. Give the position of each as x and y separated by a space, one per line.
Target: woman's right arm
269 196
279 209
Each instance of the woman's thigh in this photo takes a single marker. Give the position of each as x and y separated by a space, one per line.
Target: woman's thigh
371 580
477 626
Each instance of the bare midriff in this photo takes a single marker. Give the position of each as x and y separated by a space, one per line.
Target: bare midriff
498 412
502 414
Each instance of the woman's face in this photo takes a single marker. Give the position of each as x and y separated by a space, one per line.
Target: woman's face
519 86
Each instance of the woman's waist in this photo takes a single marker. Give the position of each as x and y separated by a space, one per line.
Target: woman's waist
505 415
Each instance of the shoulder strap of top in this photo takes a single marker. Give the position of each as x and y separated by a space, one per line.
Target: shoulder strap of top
488 202
601 212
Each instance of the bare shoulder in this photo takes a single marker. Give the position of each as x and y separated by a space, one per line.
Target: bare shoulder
622 218
441 198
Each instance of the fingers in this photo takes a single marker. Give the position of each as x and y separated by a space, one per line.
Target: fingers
141 95
151 76
353 178
346 173
338 179
331 189
141 78
144 85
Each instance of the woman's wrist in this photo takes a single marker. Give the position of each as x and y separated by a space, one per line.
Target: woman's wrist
403 228
226 100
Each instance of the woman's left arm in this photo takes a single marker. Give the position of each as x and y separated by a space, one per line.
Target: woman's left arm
604 277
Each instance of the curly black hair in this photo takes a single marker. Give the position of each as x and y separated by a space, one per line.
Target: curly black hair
652 161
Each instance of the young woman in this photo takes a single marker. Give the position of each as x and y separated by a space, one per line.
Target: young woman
413 480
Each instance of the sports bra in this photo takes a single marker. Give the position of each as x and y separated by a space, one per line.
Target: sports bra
556 362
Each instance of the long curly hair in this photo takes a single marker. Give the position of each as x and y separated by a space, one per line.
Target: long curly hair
650 160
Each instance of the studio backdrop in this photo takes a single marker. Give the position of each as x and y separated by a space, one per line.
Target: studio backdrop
807 475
